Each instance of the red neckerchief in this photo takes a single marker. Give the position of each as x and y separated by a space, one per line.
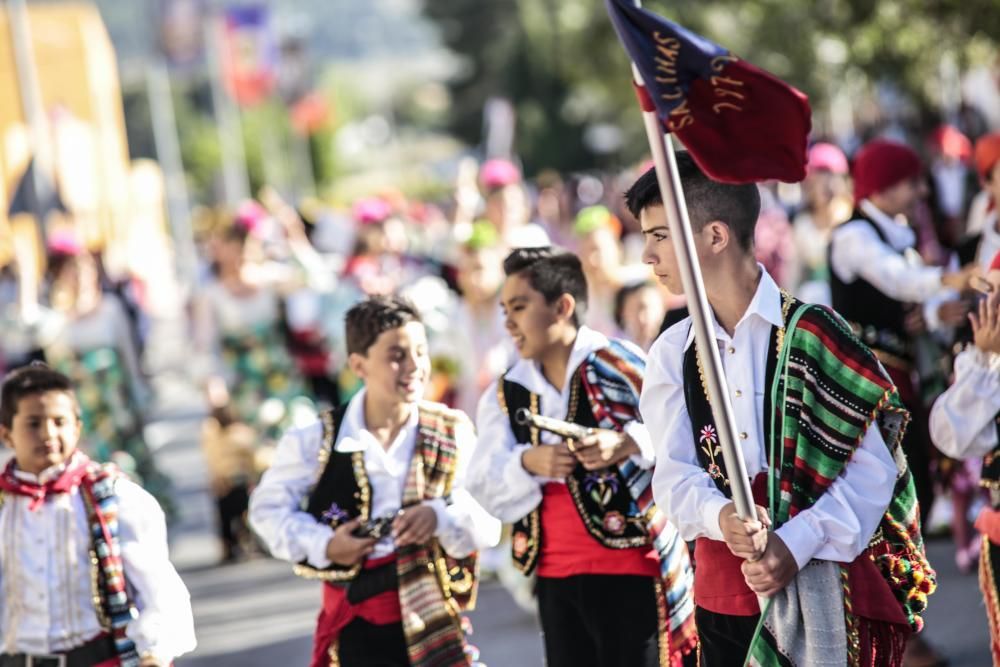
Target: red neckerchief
68 479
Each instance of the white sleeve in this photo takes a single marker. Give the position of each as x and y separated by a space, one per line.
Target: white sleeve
840 524
496 477
963 419
681 487
165 624
857 251
276 513
646 458
463 525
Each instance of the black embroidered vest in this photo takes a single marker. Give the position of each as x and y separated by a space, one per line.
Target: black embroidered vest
706 435
342 492
876 318
602 497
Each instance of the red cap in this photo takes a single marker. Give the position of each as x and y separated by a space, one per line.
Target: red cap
881 164
995 264
950 142
987 153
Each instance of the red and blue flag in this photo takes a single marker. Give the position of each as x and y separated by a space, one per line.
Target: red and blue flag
740 123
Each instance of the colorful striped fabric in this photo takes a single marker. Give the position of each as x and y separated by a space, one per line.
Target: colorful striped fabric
116 610
828 389
612 380
429 602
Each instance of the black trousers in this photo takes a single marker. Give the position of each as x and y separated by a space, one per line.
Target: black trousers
725 639
232 509
599 621
365 645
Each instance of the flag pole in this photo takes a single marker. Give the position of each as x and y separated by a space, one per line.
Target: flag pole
679 225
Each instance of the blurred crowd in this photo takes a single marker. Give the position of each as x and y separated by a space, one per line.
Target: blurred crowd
275 280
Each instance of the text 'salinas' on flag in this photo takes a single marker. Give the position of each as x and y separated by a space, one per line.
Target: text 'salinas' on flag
740 123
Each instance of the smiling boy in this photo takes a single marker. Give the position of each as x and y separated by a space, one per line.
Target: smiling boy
846 495
67 522
582 513
387 455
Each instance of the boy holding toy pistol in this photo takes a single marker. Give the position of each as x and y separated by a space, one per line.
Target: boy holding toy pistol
369 495
613 578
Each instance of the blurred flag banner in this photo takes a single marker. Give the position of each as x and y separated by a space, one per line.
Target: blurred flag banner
249 54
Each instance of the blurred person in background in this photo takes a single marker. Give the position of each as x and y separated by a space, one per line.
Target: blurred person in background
964 424
983 222
639 312
950 189
773 242
827 204
891 297
376 263
597 233
483 347
96 348
239 332
506 205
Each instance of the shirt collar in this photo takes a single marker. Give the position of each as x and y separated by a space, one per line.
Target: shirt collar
354 433
528 373
42 478
766 305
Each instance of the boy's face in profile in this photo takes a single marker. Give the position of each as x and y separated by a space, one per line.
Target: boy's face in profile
45 430
531 322
397 365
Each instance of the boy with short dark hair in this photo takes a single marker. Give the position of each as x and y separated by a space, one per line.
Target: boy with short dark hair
819 430
613 579
67 522
369 500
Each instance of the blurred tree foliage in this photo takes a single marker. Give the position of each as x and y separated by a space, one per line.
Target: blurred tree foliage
561 65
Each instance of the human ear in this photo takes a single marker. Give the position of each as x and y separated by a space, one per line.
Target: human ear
565 305
356 362
718 236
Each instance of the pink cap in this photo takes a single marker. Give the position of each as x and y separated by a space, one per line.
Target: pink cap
64 242
826 157
249 215
498 173
371 210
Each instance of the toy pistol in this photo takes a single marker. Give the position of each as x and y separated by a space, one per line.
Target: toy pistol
375 528
564 429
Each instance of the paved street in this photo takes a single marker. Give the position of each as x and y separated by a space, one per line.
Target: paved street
257 614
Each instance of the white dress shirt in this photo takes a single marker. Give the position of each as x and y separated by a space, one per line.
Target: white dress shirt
893 266
45 574
294 535
963 419
989 242
497 479
837 527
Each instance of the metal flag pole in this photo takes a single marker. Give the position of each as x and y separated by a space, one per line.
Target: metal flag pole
679 225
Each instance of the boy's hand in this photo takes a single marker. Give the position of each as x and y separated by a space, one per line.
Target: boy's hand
414 525
555 461
150 661
772 572
345 549
603 448
986 324
746 539
953 313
